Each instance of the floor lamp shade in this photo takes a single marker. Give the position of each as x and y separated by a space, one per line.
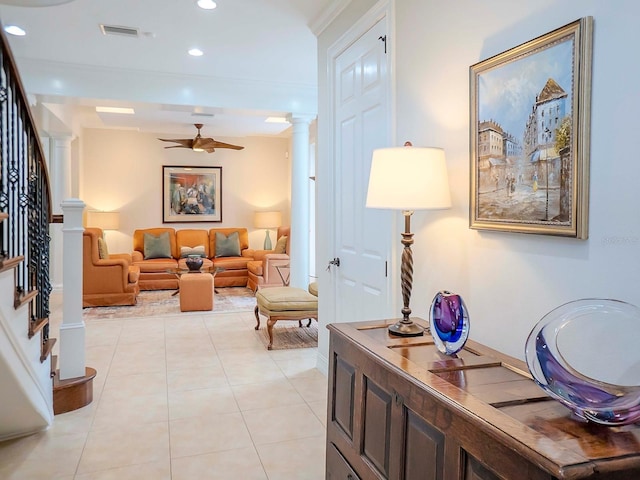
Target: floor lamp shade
408 179
267 220
103 220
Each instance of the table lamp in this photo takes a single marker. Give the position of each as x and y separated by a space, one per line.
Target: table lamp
408 178
267 220
103 220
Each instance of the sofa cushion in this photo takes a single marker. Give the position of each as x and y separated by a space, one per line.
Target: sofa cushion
231 263
227 246
193 238
103 251
197 250
281 245
157 246
157 265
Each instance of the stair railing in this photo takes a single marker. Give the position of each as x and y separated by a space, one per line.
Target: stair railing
25 200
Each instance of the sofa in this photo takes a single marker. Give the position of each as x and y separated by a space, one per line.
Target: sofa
107 279
263 269
169 248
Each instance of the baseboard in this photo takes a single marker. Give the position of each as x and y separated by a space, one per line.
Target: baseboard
322 364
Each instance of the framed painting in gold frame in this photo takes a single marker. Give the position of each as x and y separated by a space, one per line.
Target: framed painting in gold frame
530 135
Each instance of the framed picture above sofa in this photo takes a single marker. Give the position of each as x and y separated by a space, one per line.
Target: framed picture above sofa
191 194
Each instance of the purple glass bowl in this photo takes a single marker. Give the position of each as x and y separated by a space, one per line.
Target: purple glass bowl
585 354
449 322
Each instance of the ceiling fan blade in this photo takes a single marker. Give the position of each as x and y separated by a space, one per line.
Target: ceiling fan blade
217 144
184 142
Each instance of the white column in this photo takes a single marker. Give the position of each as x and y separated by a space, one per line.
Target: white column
60 178
72 332
60 166
300 203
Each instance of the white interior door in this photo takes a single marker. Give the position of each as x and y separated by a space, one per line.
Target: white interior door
362 124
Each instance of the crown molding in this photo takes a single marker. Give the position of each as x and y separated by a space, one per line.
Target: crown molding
328 15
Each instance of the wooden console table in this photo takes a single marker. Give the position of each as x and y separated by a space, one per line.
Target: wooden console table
399 409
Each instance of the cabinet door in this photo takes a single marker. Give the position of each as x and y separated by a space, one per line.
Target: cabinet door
399 442
337 466
377 426
423 449
343 395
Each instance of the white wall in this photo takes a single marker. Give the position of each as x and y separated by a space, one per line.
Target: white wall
122 170
509 281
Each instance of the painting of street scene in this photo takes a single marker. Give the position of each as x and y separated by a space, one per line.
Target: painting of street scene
192 194
523 165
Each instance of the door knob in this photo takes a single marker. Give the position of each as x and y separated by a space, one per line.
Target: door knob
335 261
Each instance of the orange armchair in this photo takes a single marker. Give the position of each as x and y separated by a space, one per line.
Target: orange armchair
263 271
106 279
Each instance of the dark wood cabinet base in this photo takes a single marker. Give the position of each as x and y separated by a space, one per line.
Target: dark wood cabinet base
399 409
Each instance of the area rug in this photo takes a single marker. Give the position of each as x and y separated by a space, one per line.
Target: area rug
156 303
288 335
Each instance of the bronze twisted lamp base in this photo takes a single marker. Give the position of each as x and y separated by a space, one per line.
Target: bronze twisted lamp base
406 327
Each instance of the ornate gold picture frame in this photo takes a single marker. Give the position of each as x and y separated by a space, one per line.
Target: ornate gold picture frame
530 135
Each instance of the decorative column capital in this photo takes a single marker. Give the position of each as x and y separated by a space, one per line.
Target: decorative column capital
61 137
299 119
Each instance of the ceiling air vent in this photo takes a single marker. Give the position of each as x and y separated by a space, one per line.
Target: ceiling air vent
119 30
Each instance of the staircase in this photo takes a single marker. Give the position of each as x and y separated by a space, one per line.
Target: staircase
26 363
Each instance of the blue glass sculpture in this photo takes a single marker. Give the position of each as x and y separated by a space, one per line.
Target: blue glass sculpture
449 322
585 354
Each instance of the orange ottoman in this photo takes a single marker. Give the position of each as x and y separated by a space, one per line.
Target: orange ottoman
196 292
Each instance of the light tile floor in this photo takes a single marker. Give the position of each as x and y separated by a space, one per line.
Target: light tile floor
194 396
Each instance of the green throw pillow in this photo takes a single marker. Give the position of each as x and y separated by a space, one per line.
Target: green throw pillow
157 246
227 246
103 251
192 251
281 246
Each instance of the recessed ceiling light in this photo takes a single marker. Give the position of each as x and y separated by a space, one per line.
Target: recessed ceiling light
196 52
207 4
276 120
15 30
125 110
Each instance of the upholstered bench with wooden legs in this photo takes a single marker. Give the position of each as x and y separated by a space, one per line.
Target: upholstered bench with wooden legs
196 292
284 303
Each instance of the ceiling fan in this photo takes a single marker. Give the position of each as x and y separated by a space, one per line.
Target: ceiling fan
199 144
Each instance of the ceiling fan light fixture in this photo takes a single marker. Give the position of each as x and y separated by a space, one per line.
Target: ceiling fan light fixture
196 52
15 30
206 4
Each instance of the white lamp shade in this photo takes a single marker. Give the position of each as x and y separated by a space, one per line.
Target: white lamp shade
267 219
409 178
103 220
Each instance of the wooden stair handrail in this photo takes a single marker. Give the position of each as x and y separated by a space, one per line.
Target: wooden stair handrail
9 62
